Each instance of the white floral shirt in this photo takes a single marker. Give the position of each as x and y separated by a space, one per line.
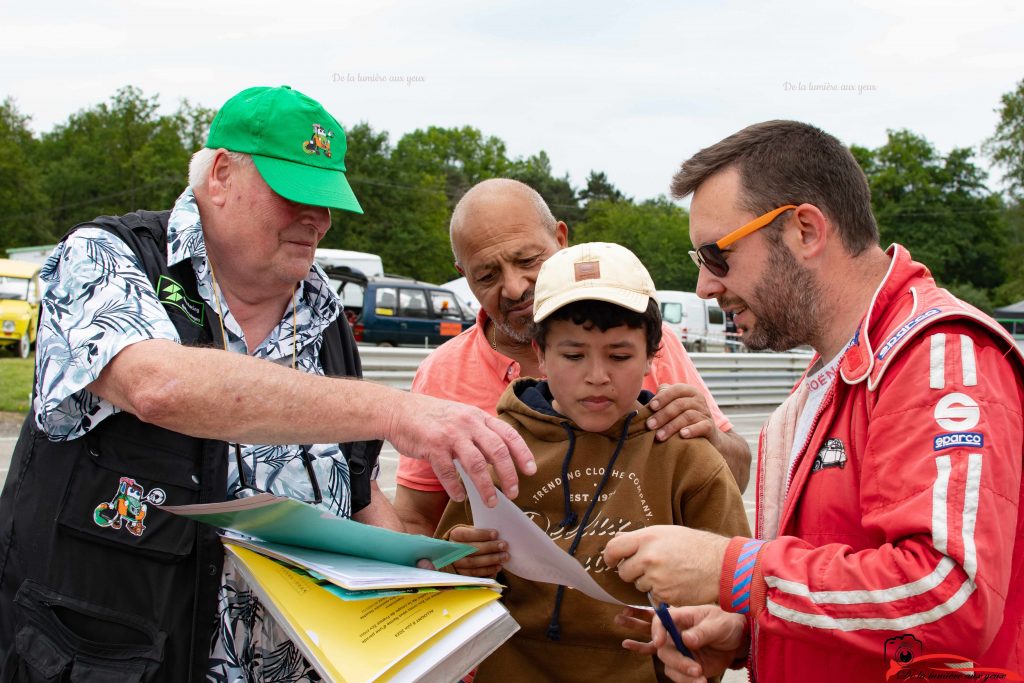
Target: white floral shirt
98 300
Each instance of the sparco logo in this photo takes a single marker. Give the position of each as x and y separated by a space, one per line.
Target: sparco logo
957 412
971 439
903 331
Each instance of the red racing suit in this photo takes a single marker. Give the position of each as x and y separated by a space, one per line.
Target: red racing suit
899 527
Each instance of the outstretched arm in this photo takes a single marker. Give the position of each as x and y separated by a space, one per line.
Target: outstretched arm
379 512
214 394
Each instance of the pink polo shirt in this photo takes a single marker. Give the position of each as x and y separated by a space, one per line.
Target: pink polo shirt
466 369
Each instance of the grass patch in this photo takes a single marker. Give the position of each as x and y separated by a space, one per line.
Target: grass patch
15 384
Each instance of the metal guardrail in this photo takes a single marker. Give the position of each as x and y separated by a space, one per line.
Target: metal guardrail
750 379
734 379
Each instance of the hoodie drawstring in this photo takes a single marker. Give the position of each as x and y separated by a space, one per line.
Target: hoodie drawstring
555 627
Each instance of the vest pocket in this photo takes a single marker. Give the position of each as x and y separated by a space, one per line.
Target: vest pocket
58 638
114 491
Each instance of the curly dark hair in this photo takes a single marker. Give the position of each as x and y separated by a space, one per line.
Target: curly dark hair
604 316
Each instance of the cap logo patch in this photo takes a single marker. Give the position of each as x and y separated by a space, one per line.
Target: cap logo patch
319 141
587 270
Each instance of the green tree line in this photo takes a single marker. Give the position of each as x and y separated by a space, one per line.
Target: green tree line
122 155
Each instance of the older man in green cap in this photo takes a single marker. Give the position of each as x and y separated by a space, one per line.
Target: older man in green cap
189 356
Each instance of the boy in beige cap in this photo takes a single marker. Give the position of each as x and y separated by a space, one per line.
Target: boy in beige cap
600 470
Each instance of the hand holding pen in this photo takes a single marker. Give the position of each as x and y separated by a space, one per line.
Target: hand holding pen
717 639
661 609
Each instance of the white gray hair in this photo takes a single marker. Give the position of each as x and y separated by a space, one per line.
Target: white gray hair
199 166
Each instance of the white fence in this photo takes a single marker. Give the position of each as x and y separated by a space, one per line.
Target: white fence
735 379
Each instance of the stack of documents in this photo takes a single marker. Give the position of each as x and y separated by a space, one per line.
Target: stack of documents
350 596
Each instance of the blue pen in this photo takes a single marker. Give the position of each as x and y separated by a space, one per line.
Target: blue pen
661 609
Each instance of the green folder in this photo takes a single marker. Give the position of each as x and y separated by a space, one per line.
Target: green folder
284 520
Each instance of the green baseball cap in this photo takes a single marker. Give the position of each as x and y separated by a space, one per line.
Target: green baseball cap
298 147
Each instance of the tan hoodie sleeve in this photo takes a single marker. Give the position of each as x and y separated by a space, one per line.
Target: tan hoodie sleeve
708 495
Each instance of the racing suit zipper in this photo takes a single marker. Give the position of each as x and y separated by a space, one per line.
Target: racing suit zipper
758 526
825 403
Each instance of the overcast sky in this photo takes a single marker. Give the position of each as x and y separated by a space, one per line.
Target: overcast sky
631 89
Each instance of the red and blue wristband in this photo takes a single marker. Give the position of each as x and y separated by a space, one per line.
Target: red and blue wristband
738 574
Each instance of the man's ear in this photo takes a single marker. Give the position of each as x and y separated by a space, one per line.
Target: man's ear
459 268
647 367
562 234
811 231
218 182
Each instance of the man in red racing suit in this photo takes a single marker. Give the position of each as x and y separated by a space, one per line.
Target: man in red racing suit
916 531
889 519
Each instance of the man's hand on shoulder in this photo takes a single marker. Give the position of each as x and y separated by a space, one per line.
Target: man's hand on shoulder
681 409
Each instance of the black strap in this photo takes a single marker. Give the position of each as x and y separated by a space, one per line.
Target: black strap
339 356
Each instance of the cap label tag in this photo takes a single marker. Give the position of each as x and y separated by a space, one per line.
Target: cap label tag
588 270
319 141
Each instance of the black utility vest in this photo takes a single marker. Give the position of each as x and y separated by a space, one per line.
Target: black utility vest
83 601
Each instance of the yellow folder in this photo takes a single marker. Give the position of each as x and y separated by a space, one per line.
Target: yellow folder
362 640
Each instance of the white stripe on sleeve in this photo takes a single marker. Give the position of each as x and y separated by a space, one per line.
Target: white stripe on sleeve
940 540
937 374
940 491
967 361
901 623
971 497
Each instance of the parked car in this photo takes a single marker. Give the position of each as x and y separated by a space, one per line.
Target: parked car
396 311
19 304
733 342
465 294
700 323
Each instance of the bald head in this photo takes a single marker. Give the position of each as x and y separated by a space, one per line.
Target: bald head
502 232
487 201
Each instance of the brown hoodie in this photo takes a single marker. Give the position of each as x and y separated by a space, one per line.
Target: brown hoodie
637 483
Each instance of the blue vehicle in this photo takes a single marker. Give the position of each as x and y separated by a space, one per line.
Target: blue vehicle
396 311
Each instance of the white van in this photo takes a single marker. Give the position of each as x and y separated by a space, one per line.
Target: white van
700 323
364 264
369 265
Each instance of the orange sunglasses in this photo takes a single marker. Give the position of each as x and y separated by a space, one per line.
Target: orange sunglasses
712 256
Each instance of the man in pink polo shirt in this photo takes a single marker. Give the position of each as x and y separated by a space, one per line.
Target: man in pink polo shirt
501 233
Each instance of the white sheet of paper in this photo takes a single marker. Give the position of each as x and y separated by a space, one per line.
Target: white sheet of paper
534 556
